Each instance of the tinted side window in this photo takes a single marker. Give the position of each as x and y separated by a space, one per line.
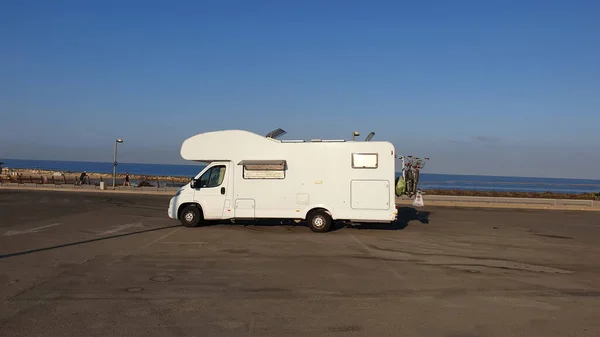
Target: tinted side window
204 178
217 174
213 177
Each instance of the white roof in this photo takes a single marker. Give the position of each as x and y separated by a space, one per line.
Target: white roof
227 145
237 145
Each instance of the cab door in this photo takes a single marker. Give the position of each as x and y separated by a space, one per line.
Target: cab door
211 190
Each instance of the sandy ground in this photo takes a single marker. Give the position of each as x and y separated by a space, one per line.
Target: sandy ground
92 264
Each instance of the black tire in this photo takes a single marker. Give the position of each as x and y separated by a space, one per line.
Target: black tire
190 216
319 221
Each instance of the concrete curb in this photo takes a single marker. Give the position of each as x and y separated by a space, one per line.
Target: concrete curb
509 203
91 189
499 206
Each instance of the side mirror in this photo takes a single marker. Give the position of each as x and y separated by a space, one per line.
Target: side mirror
193 183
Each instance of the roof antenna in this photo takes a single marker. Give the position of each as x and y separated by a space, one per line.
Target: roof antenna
370 136
276 133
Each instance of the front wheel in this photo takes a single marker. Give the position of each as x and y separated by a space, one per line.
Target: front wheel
190 216
319 221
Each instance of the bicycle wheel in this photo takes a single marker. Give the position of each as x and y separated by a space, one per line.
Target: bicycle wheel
409 183
416 180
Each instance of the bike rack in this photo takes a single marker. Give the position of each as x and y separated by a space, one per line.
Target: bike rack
420 162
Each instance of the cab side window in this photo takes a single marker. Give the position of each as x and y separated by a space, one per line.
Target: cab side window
213 177
204 178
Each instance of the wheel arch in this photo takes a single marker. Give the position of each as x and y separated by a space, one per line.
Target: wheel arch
319 207
186 204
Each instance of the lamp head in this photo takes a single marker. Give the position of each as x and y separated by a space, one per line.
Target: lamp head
119 140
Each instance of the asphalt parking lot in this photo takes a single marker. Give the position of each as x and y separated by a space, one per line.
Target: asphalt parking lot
99 264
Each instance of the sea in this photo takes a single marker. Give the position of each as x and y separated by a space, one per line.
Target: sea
427 181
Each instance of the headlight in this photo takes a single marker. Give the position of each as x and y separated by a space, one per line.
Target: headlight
178 192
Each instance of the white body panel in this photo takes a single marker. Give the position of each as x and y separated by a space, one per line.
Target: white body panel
315 175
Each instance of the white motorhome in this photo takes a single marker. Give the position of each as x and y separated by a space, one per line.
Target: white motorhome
250 176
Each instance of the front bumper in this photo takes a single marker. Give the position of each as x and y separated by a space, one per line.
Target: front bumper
172 211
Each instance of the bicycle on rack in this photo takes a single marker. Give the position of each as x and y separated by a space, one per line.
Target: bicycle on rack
411 167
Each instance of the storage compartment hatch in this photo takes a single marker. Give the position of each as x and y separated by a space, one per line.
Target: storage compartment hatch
370 194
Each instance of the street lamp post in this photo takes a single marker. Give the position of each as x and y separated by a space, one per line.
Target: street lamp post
115 161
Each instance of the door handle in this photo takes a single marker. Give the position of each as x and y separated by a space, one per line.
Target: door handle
222 190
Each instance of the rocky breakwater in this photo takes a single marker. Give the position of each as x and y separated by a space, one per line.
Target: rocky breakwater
54 176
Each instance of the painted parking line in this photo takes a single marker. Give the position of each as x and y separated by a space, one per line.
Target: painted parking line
30 230
144 246
375 254
121 228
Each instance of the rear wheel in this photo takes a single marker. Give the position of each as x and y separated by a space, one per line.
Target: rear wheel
190 216
319 221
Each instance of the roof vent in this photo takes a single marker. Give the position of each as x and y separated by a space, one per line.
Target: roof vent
276 133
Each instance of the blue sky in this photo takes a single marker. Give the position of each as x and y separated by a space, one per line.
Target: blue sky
481 87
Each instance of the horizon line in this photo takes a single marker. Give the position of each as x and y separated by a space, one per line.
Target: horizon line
193 163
